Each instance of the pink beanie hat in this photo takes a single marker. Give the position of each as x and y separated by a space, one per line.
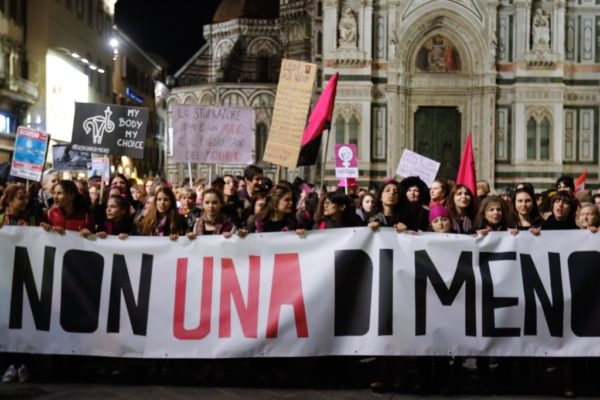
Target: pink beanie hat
438 211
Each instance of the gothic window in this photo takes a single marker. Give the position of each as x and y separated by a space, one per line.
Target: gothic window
261 141
538 138
578 142
503 134
347 126
378 138
263 68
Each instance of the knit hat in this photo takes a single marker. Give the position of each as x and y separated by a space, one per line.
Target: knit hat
438 211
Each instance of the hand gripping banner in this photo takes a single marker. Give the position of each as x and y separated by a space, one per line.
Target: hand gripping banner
334 292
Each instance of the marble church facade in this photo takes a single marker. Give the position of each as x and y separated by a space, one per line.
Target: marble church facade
522 76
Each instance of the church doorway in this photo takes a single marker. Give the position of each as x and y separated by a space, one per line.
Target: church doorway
437 136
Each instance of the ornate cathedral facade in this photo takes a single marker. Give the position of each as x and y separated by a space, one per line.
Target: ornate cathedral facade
522 76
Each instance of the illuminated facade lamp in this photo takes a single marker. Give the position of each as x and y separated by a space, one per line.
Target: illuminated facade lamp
75 55
114 43
100 70
85 61
93 67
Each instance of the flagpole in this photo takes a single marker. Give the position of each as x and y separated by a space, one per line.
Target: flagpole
190 174
325 159
277 173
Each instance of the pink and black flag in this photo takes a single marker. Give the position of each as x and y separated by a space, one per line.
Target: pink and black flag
466 171
319 119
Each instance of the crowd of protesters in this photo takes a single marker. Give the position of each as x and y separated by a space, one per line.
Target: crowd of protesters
242 205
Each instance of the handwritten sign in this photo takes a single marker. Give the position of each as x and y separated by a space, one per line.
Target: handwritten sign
346 161
414 164
212 135
110 129
30 154
294 92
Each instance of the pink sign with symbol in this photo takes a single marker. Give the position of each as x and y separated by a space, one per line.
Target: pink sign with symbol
346 161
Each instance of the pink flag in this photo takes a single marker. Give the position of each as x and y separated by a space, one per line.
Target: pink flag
466 171
319 119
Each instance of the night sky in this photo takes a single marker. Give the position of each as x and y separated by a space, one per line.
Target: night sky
171 29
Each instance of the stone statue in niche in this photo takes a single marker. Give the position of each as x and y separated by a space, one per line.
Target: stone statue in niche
540 31
438 54
348 29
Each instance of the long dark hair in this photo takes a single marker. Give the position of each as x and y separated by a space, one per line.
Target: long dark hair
147 224
469 211
276 194
348 215
378 202
534 214
80 202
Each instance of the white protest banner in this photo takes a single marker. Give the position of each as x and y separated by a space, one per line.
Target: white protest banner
212 135
29 157
335 292
414 164
294 92
346 161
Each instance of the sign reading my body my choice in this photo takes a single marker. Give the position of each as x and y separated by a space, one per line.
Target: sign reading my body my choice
110 129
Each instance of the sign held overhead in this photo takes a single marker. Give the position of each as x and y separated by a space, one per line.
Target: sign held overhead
110 129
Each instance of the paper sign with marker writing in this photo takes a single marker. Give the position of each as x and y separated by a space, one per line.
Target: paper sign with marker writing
414 164
294 92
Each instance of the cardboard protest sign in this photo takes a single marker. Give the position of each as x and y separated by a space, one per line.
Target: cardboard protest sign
31 147
100 166
64 158
212 135
414 164
292 102
110 129
346 161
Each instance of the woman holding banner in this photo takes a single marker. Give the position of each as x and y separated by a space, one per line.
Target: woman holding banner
492 215
278 215
336 211
233 205
462 209
414 196
118 220
13 207
213 220
387 206
70 212
162 218
525 209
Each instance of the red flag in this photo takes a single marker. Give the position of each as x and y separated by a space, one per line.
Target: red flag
580 182
319 119
466 171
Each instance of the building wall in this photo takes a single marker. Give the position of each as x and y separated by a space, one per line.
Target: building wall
57 29
16 92
532 104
